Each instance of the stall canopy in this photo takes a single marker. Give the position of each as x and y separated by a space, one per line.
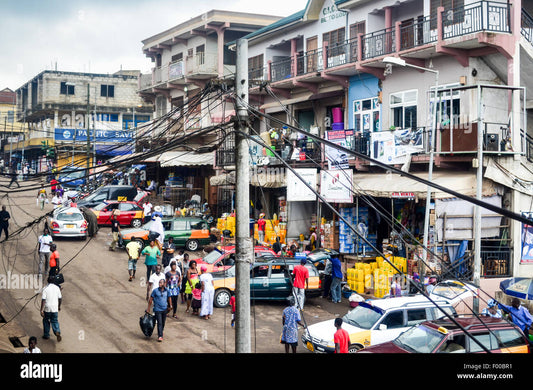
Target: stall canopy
386 185
185 158
265 179
511 173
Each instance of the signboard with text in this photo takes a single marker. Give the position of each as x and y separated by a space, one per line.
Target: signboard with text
80 135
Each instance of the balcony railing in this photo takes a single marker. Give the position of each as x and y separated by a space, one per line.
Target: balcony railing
472 18
527 26
480 16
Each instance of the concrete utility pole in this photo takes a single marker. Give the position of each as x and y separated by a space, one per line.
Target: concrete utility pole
243 242
88 130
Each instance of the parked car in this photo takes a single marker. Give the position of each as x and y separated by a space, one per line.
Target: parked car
112 192
190 233
375 322
497 335
270 279
129 213
67 222
458 293
224 257
72 177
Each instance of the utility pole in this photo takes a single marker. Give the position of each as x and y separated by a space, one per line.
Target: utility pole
478 210
88 138
243 242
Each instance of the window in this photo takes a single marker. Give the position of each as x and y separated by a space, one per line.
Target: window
416 316
180 225
177 57
448 14
403 109
356 29
393 319
255 67
200 54
126 207
260 271
334 39
366 115
508 338
66 88
447 100
107 90
454 344
486 339
278 271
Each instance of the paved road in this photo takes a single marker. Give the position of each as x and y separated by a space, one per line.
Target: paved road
101 308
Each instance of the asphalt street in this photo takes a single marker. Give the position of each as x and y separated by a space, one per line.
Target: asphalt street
101 307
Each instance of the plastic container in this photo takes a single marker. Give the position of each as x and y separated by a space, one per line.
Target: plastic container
336 112
337 126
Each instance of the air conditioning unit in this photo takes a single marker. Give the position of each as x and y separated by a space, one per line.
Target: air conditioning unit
491 142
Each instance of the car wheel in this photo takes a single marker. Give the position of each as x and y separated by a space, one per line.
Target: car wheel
136 223
222 297
192 245
353 348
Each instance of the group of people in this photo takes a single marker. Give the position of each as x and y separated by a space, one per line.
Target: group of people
171 275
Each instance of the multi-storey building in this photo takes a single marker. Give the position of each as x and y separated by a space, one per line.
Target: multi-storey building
12 130
364 74
186 57
61 108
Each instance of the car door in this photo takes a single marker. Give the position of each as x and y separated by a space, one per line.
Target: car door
389 327
180 232
259 281
127 213
280 281
104 217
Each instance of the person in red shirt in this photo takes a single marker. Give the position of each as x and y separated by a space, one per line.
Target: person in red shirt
341 337
300 283
54 260
232 304
261 223
53 186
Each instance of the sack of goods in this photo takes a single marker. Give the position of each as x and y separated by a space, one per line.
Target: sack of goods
147 322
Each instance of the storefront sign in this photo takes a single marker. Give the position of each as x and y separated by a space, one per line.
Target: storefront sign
296 189
403 195
80 135
394 147
336 185
337 159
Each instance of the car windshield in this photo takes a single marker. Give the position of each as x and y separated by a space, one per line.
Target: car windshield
212 257
363 316
72 174
419 339
228 273
69 216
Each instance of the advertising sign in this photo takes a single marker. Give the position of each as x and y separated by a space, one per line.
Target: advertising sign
80 135
296 189
336 185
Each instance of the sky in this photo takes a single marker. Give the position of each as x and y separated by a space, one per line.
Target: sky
98 36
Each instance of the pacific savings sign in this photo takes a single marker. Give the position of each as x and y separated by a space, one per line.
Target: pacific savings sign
78 135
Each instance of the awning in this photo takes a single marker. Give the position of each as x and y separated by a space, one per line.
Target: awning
267 179
185 158
386 184
511 173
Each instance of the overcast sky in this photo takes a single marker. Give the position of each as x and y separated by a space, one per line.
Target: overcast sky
98 36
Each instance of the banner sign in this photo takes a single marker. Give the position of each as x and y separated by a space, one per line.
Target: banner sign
336 185
80 135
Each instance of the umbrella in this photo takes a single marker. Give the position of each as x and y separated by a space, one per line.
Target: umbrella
518 287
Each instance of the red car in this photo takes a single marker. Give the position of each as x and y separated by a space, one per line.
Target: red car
129 213
224 257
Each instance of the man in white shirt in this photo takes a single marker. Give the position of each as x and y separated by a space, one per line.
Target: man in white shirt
147 207
153 283
44 251
50 307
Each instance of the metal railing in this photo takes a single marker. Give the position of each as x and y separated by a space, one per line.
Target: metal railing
309 62
378 43
418 33
281 70
496 263
527 26
476 17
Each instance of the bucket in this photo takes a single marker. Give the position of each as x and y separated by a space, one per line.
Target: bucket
337 126
337 114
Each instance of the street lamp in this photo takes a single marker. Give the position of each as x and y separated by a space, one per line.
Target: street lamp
401 62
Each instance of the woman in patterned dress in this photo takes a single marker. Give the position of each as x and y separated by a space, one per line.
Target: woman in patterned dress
290 320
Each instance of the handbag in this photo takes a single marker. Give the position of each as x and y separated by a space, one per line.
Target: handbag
147 324
59 279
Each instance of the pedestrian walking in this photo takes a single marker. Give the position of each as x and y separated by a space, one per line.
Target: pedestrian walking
290 320
4 222
133 248
208 293
54 260
41 197
341 338
152 255
14 178
44 240
183 264
261 223
153 282
300 283
50 306
115 230
192 278
168 251
32 346
162 304
336 280
173 280
396 287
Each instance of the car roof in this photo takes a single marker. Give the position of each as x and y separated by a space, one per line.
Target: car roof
467 322
67 210
277 260
396 302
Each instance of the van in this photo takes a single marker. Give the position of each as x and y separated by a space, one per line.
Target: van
376 321
111 192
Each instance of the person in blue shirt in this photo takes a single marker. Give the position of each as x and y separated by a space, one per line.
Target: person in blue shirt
160 298
520 316
336 280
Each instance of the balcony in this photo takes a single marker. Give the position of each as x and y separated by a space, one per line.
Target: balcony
402 38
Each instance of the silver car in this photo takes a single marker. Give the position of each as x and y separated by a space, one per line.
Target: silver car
68 222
